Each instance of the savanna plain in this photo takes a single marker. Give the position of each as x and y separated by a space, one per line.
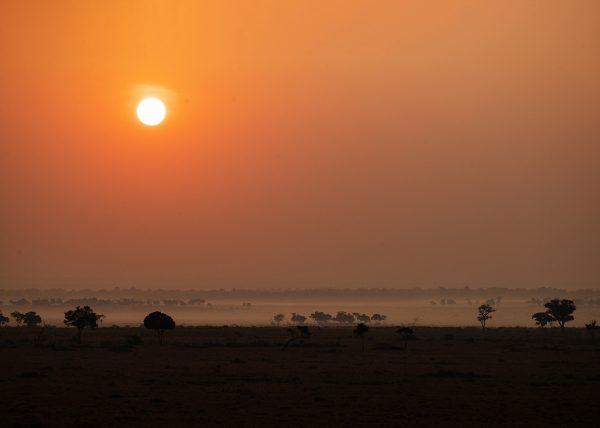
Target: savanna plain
240 376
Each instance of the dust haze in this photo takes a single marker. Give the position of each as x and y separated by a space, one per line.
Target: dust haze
417 307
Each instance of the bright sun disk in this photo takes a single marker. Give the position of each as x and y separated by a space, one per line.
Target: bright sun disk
151 111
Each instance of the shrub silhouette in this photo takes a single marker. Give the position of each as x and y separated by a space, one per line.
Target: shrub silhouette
484 314
406 334
591 328
159 322
3 319
542 318
301 332
360 330
561 311
297 318
82 318
278 318
31 319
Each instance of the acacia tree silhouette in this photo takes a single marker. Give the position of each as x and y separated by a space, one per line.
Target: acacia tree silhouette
542 318
31 319
159 322
484 314
301 332
361 330
3 319
82 318
561 311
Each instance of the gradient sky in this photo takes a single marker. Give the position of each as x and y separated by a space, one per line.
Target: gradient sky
307 144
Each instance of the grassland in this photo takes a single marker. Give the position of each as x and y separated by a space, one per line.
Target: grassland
239 376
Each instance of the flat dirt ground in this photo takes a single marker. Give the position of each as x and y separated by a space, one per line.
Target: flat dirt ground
239 376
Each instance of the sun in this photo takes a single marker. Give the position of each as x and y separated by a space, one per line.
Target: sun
151 111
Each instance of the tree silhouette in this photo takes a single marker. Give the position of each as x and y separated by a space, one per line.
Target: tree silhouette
297 318
406 334
301 332
82 318
159 322
542 318
591 328
378 318
362 317
278 318
343 317
18 317
31 319
3 319
561 311
320 317
360 330
484 314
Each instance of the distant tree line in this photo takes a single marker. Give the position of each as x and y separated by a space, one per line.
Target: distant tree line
341 317
459 294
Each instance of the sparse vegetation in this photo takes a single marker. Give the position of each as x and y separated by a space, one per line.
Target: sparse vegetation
485 314
82 317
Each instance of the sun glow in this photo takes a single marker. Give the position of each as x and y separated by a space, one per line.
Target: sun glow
151 111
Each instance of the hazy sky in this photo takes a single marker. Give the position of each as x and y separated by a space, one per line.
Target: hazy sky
319 143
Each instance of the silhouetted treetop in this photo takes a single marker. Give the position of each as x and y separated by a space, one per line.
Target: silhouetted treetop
159 321
542 318
484 313
300 319
561 310
82 317
343 317
321 317
31 319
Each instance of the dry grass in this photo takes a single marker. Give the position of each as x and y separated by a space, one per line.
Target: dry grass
237 376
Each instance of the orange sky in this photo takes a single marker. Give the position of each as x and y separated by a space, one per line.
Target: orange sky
384 144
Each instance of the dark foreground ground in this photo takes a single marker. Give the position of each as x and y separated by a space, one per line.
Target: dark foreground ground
240 377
